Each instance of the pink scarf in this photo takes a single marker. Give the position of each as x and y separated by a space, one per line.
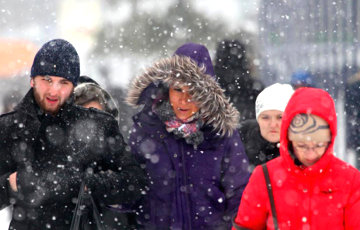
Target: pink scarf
186 127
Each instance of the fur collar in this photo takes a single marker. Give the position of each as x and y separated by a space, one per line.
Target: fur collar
215 108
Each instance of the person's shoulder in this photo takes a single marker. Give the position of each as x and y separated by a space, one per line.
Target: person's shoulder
341 176
275 163
227 139
10 120
9 115
274 166
258 174
343 168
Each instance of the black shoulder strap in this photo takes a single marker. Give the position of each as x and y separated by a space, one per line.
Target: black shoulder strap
271 196
75 222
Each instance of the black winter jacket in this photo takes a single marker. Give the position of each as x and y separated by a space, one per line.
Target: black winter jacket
53 154
257 148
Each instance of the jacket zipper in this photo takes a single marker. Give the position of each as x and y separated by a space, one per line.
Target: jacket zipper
186 194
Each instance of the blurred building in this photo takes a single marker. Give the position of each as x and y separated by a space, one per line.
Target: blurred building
33 20
16 57
318 36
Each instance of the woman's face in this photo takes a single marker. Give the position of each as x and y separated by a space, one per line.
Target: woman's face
269 123
309 152
181 103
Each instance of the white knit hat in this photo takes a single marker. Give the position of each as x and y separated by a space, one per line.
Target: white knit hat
273 97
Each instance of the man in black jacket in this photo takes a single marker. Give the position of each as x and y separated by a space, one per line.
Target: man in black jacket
48 146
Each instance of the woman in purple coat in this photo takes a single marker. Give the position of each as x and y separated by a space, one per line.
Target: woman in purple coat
185 137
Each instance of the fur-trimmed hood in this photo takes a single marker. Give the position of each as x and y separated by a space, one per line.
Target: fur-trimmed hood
87 92
215 108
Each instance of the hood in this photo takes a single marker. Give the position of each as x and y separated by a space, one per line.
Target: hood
215 108
199 54
315 101
87 92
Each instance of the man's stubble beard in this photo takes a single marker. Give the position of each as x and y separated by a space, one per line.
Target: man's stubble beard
43 105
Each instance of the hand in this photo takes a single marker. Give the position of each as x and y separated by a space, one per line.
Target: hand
12 181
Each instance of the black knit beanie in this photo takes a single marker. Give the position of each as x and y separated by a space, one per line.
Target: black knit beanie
57 58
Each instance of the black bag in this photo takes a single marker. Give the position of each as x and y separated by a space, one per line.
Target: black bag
86 215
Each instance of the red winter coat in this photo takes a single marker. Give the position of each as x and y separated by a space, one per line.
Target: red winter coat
325 195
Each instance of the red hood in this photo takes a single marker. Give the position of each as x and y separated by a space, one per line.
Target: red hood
315 101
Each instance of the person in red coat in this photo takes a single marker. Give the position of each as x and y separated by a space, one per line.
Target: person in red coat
312 188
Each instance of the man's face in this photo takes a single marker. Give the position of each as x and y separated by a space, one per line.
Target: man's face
51 92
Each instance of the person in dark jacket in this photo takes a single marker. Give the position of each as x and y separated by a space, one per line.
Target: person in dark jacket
233 69
89 94
113 98
261 136
48 146
11 99
185 137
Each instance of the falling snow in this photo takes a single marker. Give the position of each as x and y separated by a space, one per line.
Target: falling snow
118 39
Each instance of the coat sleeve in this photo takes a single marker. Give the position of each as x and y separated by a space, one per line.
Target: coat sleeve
7 167
253 209
235 169
120 180
5 170
352 209
111 174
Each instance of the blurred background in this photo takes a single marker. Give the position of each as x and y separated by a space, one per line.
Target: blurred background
287 41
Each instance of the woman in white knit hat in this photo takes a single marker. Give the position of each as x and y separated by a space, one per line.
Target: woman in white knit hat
261 136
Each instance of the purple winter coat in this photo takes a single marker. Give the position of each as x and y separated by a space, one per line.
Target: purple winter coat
189 188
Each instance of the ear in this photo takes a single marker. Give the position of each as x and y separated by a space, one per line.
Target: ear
32 82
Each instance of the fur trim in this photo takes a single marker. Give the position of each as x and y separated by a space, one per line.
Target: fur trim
215 108
87 92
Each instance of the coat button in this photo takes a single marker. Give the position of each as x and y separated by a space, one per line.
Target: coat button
162 136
